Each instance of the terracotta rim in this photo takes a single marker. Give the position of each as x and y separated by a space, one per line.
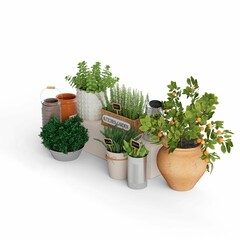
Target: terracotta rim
65 97
187 149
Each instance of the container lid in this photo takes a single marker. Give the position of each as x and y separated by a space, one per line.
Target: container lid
155 104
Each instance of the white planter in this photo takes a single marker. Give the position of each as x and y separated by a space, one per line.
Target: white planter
117 165
89 106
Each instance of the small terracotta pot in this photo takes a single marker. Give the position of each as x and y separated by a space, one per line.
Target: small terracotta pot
68 104
182 168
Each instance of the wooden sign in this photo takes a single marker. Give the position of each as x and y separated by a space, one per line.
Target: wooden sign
108 141
116 107
135 144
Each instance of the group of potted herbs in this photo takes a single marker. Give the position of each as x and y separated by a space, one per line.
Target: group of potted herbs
187 132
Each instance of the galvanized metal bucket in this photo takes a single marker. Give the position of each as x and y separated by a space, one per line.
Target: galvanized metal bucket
137 172
50 107
152 108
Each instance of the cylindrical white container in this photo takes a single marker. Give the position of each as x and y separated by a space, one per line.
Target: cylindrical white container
89 105
117 165
137 172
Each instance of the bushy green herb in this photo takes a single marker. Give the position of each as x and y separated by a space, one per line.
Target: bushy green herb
67 136
131 100
133 152
94 79
118 136
181 125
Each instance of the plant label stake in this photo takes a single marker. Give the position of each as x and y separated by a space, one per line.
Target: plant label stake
135 144
108 141
116 107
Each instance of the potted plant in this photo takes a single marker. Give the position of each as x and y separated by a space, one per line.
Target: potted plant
91 84
123 108
189 135
113 142
137 163
68 104
66 139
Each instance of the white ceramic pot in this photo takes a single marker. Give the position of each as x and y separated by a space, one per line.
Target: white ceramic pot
117 165
89 105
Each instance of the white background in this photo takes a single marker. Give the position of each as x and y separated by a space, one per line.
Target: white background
147 44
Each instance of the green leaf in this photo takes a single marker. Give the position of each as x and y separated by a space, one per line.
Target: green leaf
227 136
210 145
223 148
188 114
144 128
198 106
228 147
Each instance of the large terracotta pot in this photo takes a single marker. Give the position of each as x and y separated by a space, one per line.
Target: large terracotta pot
182 168
68 104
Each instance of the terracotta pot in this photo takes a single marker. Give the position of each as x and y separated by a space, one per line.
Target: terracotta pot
181 169
68 104
117 165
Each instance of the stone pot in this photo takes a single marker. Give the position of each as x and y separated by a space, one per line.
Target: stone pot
68 104
182 168
50 108
65 157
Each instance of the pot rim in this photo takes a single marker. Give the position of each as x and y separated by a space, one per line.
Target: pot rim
185 149
123 158
66 96
67 152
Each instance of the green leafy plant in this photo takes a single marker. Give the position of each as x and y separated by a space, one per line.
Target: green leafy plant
141 152
117 136
189 126
94 79
66 136
132 101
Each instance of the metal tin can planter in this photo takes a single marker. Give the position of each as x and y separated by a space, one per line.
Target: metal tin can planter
68 104
66 157
137 172
89 105
117 165
50 107
154 107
